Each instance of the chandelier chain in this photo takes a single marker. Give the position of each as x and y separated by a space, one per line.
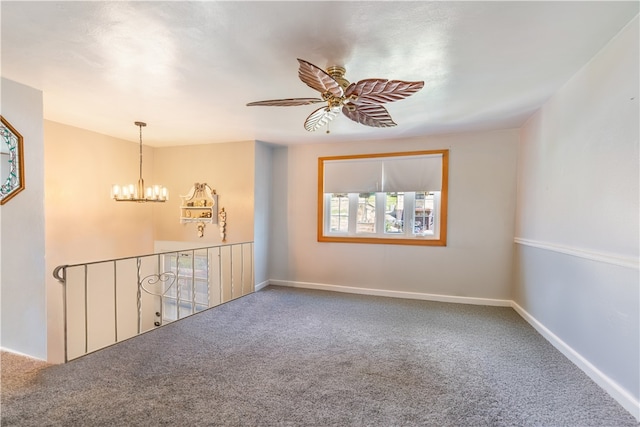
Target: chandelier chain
140 125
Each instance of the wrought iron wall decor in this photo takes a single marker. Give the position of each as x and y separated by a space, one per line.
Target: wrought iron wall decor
12 162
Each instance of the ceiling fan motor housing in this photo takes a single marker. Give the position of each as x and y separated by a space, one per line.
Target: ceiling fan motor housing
337 72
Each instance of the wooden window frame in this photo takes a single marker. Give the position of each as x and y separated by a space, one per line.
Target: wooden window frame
417 241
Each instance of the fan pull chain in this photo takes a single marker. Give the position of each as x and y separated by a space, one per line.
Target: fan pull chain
328 131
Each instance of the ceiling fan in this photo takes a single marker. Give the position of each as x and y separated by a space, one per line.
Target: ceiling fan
358 101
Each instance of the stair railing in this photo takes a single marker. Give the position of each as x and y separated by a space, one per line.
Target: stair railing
106 302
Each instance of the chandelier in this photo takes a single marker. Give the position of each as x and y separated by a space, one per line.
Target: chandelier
137 193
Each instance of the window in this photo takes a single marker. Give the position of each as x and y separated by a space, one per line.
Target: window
390 198
339 212
190 293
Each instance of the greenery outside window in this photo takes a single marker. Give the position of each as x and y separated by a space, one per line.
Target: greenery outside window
389 198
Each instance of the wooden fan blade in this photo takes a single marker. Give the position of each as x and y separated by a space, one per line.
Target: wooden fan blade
289 102
319 118
316 78
379 91
369 115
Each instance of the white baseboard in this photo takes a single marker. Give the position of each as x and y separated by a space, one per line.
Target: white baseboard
17 353
393 294
624 398
261 285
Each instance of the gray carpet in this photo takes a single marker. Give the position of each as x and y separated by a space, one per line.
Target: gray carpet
292 357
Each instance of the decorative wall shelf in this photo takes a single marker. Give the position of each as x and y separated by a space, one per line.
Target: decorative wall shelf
199 206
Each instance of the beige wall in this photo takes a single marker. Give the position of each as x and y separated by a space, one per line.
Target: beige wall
228 168
83 224
476 263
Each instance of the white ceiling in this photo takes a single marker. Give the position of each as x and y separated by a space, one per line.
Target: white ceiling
189 68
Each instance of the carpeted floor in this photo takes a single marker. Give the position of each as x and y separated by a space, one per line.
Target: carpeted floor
18 372
292 357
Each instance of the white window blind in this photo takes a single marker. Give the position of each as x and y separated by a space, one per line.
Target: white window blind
353 176
384 174
412 173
